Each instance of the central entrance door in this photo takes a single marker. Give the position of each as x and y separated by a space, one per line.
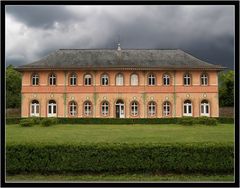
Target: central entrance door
120 109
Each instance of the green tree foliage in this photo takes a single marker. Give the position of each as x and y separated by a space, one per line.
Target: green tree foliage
13 88
226 88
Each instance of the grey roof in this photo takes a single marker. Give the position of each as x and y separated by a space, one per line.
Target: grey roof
96 59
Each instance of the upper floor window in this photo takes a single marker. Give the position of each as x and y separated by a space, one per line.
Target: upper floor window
187 79
134 80
187 108
166 108
152 108
87 80
73 108
52 79
134 108
104 80
87 108
204 79
34 108
105 108
35 79
166 79
151 79
119 79
73 79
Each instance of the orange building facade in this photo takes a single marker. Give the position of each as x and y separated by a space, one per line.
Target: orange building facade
119 91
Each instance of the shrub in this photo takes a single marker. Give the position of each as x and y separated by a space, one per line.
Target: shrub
187 121
121 158
36 120
207 121
26 122
48 121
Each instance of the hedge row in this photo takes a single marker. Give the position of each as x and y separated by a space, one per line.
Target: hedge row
120 121
120 158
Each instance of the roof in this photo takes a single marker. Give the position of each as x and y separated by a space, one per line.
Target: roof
142 59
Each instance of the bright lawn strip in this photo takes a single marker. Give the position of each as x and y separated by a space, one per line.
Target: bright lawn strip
120 177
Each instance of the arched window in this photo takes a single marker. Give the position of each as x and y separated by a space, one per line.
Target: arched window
187 108
205 108
134 79
87 80
152 108
52 108
105 108
87 108
73 108
187 79
134 108
34 108
119 79
166 108
52 79
204 79
151 79
73 79
166 79
104 80
35 79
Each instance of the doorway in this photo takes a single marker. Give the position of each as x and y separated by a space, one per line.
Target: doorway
120 109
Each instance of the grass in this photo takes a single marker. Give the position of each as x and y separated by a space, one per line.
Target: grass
73 134
121 177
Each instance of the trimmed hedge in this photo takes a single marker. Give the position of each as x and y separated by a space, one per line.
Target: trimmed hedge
120 158
120 121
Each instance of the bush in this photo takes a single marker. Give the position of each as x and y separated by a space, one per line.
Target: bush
187 121
26 122
207 121
48 121
36 120
120 158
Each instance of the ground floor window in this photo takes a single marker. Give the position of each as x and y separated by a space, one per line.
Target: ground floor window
34 108
52 108
187 108
87 108
152 109
205 108
73 108
166 108
105 108
134 108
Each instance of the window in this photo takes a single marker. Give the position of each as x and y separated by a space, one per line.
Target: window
105 108
73 79
204 79
134 108
87 80
166 79
187 79
73 108
152 109
166 108
205 108
104 79
52 108
134 79
87 108
119 79
187 108
35 79
151 80
52 79
34 108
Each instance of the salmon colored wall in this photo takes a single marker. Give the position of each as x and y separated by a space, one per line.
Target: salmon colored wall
80 93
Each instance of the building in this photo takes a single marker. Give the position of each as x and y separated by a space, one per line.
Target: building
121 83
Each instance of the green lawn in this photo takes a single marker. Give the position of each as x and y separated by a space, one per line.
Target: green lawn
59 134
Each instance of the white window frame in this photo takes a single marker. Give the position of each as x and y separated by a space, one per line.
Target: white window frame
134 80
52 77
73 79
33 107
119 79
35 79
166 79
151 80
73 108
87 80
52 106
204 107
152 108
187 79
166 108
104 80
134 108
87 108
105 108
204 79
188 106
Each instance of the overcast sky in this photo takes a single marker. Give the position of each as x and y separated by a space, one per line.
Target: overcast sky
206 32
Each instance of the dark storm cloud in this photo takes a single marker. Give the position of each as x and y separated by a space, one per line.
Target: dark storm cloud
206 32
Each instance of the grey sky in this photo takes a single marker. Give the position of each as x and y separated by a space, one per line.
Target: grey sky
206 32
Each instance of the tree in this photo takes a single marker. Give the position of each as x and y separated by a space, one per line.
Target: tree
226 88
13 88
